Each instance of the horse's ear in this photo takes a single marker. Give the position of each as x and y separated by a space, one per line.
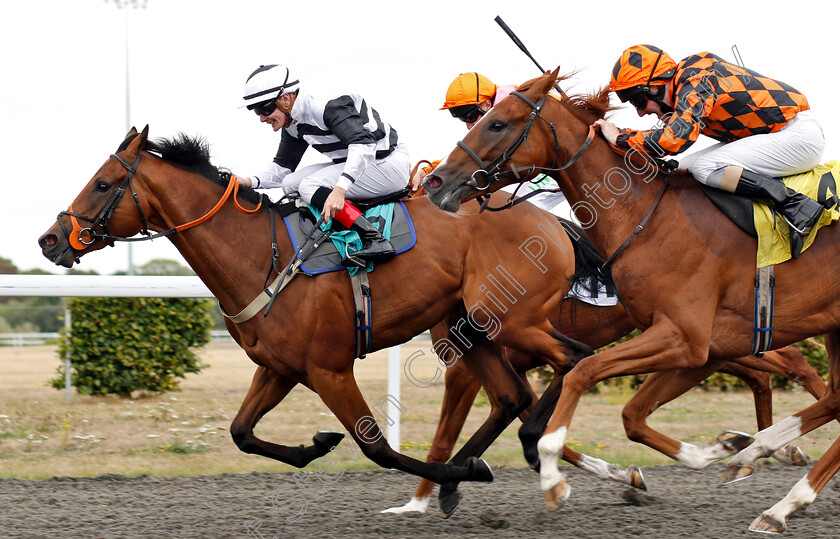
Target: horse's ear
554 75
131 132
544 84
139 142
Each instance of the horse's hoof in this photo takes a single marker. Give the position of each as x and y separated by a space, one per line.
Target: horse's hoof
479 470
737 472
637 480
735 441
327 440
791 454
449 502
556 495
767 524
531 454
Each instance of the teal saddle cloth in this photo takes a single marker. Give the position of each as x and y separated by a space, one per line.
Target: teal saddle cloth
392 220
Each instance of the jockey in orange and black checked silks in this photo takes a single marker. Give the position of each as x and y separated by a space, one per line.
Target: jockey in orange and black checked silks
765 127
712 96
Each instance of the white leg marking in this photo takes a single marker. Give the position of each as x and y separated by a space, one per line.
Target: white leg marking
697 458
549 448
603 469
415 505
769 440
799 496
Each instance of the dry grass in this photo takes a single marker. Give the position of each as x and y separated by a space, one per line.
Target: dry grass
186 433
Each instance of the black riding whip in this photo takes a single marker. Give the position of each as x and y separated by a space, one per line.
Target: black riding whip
524 49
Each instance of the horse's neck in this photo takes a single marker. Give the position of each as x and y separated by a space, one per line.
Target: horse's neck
231 251
607 197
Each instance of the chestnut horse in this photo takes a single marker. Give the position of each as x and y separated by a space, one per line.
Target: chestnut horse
597 327
686 278
308 336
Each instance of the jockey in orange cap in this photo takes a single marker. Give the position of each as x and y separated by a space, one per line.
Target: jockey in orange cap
765 127
468 98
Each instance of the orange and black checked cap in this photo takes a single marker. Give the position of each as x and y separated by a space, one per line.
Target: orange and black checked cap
639 65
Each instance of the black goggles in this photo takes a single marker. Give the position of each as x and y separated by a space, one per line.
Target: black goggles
634 96
265 108
467 113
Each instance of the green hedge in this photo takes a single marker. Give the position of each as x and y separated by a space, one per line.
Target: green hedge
121 345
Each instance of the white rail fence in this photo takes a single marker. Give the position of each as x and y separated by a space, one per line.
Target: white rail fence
146 286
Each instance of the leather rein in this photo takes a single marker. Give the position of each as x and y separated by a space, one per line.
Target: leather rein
492 171
81 237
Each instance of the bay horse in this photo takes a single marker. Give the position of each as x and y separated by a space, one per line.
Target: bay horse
686 276
308 336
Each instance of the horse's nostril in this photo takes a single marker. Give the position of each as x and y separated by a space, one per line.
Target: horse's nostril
434 182
48 240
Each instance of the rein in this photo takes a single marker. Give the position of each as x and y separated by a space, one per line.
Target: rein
81 238
492 171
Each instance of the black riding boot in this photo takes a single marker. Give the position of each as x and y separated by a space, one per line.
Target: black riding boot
375 248
800 211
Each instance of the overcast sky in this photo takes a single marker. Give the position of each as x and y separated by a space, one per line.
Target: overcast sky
62 101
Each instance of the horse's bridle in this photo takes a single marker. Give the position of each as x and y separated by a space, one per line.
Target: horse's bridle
80 238
492 171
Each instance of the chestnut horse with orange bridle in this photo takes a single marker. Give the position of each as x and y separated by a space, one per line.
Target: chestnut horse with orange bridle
686 278
598 326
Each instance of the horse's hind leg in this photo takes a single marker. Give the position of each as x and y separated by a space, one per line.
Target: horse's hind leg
761 385
824 410
789 363
267 389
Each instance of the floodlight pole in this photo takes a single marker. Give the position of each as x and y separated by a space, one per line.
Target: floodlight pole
124 5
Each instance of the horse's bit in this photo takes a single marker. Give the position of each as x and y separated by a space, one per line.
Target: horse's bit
84 237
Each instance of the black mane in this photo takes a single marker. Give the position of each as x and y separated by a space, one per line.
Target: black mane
193 153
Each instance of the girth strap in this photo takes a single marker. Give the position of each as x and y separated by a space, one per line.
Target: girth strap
765 286
361 297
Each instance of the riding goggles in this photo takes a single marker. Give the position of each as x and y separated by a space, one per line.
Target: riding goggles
265 108
467 113
635 96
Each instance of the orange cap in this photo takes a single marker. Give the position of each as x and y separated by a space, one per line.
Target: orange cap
640 65
469 89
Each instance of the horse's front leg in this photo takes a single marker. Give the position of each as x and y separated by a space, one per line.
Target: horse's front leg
534 426
663 346
659 389
267 389
340 392
460 390
509 396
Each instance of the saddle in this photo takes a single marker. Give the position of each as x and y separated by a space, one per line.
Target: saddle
760 221
386 213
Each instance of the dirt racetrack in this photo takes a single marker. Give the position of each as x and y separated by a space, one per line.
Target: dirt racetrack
680 503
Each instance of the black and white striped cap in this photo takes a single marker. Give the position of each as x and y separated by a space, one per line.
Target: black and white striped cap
268 82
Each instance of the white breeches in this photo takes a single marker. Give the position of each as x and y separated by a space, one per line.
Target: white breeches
381 177
794 149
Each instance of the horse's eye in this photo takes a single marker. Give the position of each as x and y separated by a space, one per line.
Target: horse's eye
496 125
102 187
